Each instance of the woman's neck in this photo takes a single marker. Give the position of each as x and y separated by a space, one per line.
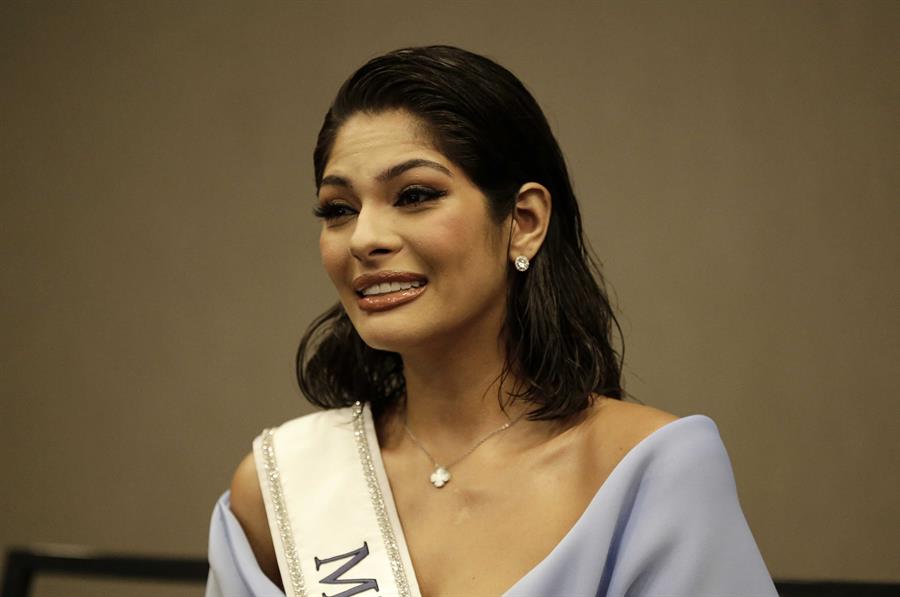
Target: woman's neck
452 396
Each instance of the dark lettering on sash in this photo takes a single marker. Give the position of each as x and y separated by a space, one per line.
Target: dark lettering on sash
356 556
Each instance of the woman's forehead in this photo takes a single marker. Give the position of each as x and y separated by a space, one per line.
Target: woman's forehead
367 144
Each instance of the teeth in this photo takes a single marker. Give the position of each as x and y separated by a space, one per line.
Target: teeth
386 287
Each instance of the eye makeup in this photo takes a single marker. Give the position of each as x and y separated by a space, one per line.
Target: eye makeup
411 196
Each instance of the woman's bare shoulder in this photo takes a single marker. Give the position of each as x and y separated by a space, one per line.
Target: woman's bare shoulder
626 424
248 507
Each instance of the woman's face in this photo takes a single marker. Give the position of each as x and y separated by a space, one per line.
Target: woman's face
407 238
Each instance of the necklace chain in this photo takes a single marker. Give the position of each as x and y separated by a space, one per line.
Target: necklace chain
441 474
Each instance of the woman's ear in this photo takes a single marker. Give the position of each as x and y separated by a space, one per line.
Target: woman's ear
530 219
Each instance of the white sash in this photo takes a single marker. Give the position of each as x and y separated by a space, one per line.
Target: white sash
330 508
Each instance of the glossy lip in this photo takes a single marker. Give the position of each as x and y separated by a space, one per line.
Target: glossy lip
362 282
383 302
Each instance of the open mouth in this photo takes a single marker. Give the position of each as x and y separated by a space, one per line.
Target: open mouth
384 296
387 288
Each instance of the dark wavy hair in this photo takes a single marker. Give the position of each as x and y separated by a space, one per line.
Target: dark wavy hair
559 323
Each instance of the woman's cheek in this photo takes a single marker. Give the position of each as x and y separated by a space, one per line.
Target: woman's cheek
450 233
331 256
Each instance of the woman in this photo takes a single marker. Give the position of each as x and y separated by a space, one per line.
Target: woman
474 441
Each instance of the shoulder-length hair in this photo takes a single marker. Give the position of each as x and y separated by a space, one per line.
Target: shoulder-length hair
559 322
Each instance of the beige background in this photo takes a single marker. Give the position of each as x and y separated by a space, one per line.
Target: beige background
737 167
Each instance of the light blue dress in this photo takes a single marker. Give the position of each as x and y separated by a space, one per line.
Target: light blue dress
665 523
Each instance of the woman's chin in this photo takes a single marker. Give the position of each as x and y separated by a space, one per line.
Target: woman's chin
392 342
394 338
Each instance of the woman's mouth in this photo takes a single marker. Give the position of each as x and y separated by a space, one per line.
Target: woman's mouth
382 301
386 287
386 290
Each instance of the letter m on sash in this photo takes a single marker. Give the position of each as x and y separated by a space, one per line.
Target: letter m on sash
362 584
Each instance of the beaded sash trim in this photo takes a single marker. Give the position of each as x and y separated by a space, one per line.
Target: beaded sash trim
284 526
377 499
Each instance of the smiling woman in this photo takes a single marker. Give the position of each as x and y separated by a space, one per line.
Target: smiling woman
408 214
474 439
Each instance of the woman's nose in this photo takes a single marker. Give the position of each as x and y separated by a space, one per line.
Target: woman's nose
373 235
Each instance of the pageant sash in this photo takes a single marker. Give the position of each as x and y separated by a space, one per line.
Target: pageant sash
330 509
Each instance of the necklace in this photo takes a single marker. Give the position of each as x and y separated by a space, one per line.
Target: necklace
441 474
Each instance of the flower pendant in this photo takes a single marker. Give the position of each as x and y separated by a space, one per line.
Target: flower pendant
440 477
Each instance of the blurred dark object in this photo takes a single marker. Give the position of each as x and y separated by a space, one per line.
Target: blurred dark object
790 588
22 564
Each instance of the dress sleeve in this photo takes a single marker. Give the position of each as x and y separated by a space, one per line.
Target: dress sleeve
233 570
686 534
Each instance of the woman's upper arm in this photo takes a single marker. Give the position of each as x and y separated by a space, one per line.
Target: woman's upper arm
248 507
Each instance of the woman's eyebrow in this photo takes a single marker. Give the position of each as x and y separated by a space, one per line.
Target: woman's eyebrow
392 172
395 171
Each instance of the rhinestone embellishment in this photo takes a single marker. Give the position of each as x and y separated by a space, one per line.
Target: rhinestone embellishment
384 523
522 263
273 478
440 477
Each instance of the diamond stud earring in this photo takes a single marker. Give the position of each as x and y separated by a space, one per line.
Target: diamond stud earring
522 263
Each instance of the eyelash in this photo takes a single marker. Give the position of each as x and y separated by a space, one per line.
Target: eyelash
333 210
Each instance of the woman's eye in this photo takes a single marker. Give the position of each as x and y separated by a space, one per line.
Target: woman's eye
332 211
417 195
